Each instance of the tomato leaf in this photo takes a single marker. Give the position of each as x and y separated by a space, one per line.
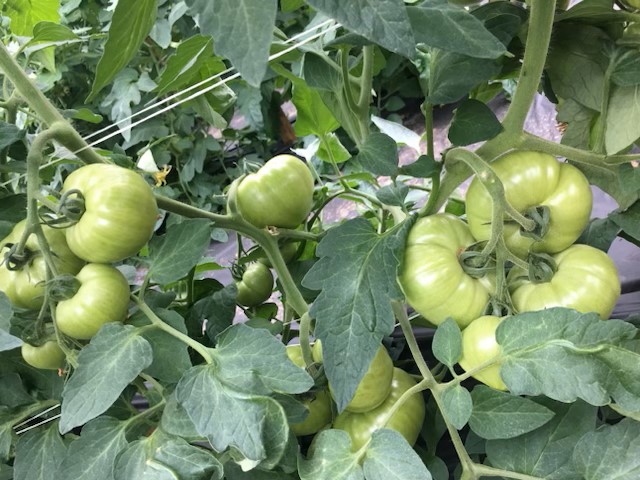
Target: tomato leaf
612 452
353 310
600 233
389 457
473 122
7 341
25 14
179 250
185 63
546 452
234 472
242 31
627 69
566 355
10 134
114 358
394 194
249 364
38 454
424 167
447 343
93 455
384 22
7 421
499 415
218 309
434 21
623 118
12 391
457 405
332 458
379 155
130 25
629 221
176 421
162 457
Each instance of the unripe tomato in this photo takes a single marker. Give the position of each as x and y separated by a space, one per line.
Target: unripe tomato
632 3
103 297
374 386
407 420
120 213
317 403
432 278
586 280
478 346
280 194
534 179
256 285
48 356
25 287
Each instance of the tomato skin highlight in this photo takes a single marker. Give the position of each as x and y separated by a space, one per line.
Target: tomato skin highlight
103 297
48 356
318 402
586 280
432 278
25 287
280 194
532 179
407 420
478 346
120 213
256 285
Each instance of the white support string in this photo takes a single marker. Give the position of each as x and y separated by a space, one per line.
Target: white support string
44 412
36 425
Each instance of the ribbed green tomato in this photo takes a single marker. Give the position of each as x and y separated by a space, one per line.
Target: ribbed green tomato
586 280
256 285
280 194
407 420
120 213
48 356
317 403
374 386
632 3
103 297
478 346
534 179
432 278
25 287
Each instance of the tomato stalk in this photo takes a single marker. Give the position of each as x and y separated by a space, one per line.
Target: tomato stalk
11 106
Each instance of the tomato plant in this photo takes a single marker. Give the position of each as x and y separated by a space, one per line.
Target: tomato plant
118 216
102 296
280 194
534 180
442 189
583 278
433 278
407 420
255 286
48 356
24 281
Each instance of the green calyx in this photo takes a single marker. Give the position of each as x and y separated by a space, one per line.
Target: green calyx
14 260
542 267
475 263
541 216
63 287
71 206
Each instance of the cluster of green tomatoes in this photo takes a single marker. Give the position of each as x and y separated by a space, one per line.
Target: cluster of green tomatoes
114 213
560 272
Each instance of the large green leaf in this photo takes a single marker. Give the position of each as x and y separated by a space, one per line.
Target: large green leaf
25 14
566 355
612 452
185 63
457 405
93 455
38 454
623 118
353 310
384 22
547 451
447 343
242 31
498 415
113 359
130 25
439 24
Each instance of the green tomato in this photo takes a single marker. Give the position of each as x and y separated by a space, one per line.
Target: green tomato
478 346
288 251
25 286
374 386
280 194
103 297
586 280
635 4
534 179
433 279
119 216
317 403
48 356
256 285
407 420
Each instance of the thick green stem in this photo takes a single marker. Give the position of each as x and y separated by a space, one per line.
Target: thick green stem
305 343
348 91
366 80
536 47
486 471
